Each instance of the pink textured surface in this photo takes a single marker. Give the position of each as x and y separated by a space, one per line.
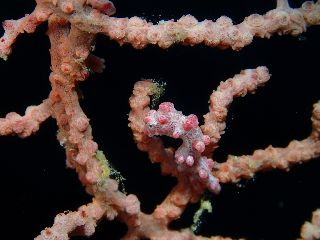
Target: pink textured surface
178 76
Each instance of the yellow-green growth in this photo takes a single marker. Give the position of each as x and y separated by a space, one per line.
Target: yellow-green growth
157 90
104 164
4 57
235 158
107 171
178 34
205 205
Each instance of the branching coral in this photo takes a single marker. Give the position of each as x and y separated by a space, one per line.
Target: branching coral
72 28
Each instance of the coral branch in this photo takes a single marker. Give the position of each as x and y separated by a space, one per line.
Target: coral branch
176 201
238 86
25 125
311 230
238 167
221 33
73 26
315 134
81 222
27 24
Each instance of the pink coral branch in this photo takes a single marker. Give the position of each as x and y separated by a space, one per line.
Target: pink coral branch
27 24
238 86
72 29
28 124
236 168
315 134
239 167
311 230
221 33
81 222
187 30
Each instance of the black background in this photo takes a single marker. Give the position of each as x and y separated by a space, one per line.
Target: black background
35 184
